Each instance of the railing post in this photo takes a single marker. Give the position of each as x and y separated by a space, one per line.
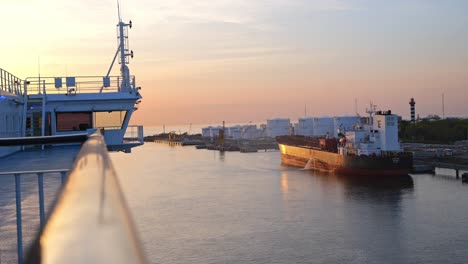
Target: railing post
40 184
19 234
1 78
63 174
140 134
9 83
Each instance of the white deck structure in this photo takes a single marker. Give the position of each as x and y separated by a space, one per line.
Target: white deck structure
57 105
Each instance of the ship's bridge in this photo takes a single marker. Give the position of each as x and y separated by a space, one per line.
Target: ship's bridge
70 105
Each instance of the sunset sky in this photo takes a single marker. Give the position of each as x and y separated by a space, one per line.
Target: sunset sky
202 62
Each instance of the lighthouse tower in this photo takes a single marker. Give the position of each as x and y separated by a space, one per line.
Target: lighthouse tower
412 104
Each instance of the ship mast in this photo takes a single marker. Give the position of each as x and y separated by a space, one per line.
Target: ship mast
371 111
124 51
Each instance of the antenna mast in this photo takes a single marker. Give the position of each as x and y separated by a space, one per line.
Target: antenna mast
124 51
118 10
443 106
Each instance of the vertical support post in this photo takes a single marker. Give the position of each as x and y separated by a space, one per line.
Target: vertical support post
19 234
63 175
9 83
457 173
40 185
1 78
25 108
43 112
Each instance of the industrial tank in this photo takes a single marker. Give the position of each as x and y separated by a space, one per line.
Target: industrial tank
278 127
305 127
344 123
323 126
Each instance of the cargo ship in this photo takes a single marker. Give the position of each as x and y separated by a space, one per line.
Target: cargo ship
370 149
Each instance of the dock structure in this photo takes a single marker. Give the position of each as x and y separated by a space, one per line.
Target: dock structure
169 142
458 168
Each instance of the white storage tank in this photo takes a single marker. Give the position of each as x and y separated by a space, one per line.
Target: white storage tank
344 123
206 132
250 131
234 132
215 131
278 127
305 127
323 126
261 131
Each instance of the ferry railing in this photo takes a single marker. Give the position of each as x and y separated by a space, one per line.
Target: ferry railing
134 134
77 85
40 182
10 83
90 222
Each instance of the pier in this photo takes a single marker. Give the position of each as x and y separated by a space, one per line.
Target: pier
445 168
170 143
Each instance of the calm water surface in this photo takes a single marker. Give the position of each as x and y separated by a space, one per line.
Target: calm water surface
200 206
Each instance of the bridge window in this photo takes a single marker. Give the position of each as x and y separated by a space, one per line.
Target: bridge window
109 119
73 121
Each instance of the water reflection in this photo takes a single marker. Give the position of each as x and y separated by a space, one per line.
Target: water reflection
373 206
218 155
284 183
366 212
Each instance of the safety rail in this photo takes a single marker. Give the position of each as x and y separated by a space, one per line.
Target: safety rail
10 83
90 222
134 134
78 84
40 182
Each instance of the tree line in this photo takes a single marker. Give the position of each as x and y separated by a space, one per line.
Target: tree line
443 131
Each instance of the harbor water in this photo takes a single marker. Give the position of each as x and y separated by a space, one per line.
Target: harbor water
201 206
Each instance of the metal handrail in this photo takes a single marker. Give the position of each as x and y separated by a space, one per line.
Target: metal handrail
10 83
90 222
82 84
40 182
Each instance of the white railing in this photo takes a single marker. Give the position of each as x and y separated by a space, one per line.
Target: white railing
77 85
89 222
40 184
134 134
10 83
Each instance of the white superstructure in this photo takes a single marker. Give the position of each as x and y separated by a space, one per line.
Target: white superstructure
387 126
58 105
377 137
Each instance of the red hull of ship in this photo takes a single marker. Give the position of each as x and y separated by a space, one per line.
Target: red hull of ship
332 162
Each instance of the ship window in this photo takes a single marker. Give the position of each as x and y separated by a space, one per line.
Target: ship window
73 121
109 119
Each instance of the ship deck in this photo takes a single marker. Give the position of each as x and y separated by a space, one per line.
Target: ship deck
52 158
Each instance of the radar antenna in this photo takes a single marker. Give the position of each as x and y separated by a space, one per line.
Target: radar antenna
118 11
